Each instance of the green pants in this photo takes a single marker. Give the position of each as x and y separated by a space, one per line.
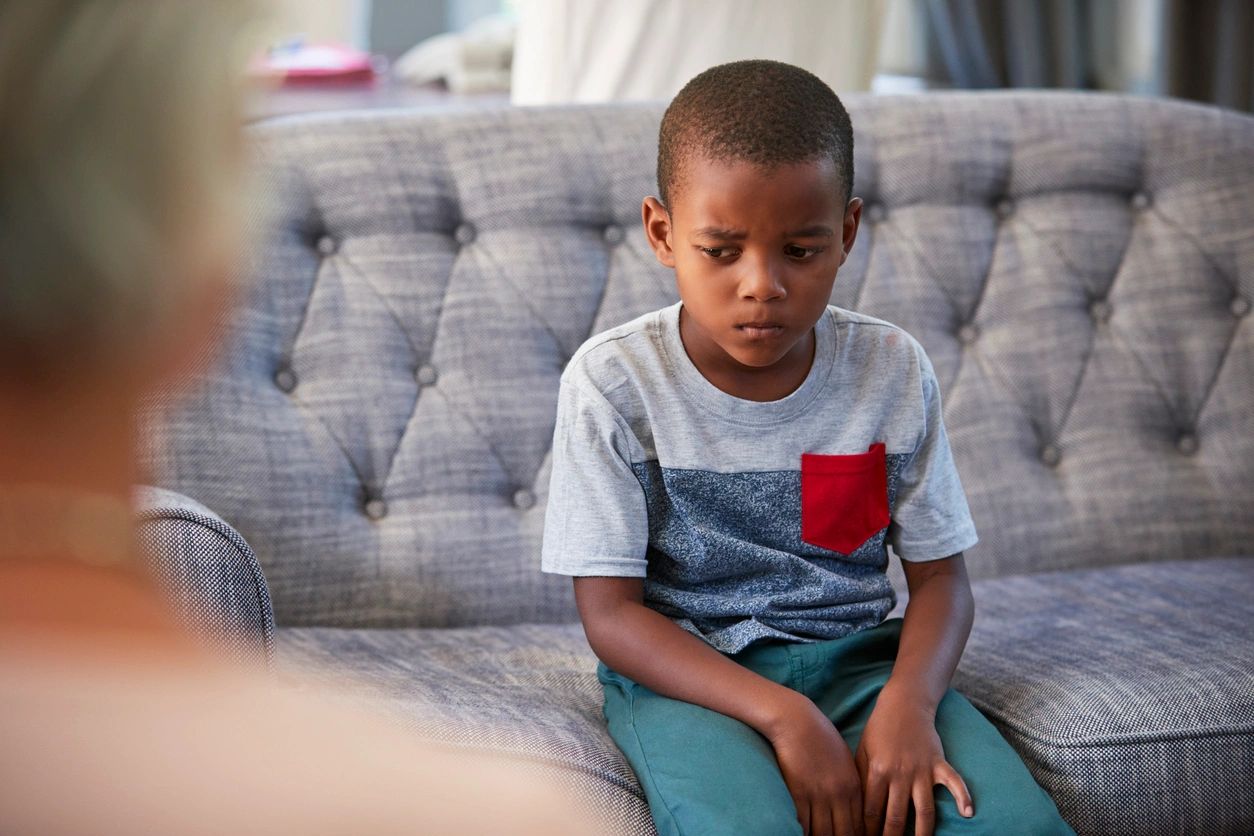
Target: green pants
706 773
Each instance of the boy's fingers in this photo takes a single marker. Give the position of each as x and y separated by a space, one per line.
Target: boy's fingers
857 823
841 822
947 775
924 809
803 814
897 809
874 796
821 821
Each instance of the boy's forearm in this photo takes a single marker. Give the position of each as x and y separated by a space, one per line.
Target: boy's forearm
647 647
934 632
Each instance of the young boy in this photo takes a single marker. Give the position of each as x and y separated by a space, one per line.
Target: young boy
726 473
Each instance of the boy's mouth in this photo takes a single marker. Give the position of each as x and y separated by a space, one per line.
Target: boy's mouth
761 329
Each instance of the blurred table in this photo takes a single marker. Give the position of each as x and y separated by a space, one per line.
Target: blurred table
384 92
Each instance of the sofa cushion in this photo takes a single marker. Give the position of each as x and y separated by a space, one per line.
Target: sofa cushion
1128 690
528 690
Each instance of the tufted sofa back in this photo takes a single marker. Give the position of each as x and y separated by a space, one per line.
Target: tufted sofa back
1079 267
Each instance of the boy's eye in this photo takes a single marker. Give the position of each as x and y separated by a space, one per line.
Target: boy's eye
717 253
802 253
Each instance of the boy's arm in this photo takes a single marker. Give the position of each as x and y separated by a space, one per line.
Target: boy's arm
934 631
900 755
647 647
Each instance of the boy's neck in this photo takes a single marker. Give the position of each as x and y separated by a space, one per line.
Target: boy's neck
767 383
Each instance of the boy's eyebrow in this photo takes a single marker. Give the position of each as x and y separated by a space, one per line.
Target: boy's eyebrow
816 231
719 233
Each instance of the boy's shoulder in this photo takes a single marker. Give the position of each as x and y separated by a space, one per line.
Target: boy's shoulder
871 339
878 328
635 341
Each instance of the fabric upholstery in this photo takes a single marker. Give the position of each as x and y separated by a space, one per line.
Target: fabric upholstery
208 573
528 690
1078 267
1128 691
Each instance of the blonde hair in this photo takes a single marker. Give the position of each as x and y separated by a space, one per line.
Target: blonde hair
122 168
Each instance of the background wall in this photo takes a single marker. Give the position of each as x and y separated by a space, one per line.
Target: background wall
1193 49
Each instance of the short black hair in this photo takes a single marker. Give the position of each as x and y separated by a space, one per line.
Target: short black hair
764 112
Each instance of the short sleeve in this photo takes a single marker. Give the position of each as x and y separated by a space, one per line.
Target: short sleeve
596 521
931 519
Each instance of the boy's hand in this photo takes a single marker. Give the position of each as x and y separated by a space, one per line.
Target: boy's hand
820 772
899 760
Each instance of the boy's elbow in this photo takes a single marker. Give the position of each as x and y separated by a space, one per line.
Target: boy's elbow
602 603
592 630
966 604
603 640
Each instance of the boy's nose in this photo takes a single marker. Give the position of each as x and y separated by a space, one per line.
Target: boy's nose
762 281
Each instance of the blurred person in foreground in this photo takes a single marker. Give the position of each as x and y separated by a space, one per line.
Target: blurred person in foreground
122 180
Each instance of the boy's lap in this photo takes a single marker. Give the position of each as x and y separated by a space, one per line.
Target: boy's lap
707 771
1005 795
716 762
1001 786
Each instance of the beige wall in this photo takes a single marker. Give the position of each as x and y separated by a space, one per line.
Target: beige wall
903 42
344 21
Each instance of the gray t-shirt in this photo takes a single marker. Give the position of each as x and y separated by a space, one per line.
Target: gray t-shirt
753 520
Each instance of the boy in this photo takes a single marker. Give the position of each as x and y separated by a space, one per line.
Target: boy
726 473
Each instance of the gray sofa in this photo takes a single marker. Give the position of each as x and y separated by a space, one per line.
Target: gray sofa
1079 267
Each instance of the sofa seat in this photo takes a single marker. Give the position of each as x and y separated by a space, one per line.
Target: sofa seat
528 690
1116 686
1127 690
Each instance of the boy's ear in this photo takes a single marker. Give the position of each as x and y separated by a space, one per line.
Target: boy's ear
849 230
657 227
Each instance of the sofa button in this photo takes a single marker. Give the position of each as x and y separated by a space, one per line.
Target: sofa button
1140 201
285 379
613 234
326 245
524 499
1005 208
464 234
1051 455
426 375
1100 310
376 508
1240 306
876 213
1186 443
968 333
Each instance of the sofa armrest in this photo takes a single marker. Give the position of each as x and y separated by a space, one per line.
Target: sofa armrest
208 572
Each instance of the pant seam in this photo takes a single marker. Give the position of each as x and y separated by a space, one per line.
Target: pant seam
644 760
796 671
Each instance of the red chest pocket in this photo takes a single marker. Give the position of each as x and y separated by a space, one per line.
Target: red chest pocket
844 498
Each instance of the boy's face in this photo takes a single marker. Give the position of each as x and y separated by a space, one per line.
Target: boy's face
753 245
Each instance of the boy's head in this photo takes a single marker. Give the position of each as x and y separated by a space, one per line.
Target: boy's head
758 111
755 176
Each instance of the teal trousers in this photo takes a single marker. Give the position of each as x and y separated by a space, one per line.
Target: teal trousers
706 773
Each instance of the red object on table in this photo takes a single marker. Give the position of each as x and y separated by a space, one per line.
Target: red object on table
297 64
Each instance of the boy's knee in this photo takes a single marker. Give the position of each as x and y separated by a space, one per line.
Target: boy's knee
1034 815
732 820
783 822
